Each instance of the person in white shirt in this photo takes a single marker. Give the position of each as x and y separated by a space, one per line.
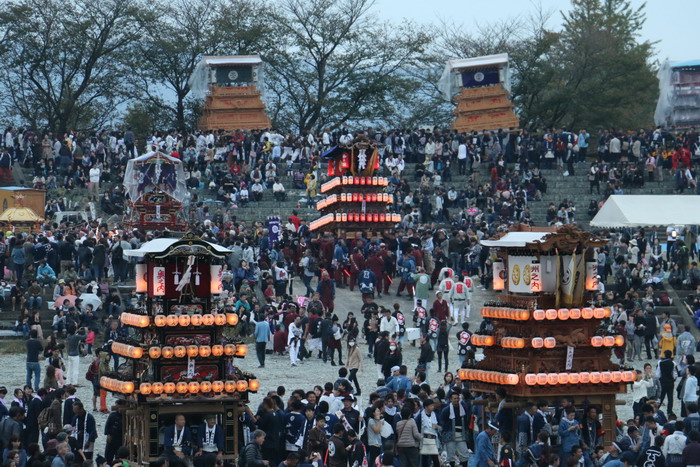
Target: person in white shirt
690 392
278 190
94 187
294 340
257 190
674 445
389 323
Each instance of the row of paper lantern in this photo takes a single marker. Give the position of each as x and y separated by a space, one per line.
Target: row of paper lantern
488 376
571 313
193 351
584 377
354 217
539 342
142 321
350 180
192 387
356 198
515 314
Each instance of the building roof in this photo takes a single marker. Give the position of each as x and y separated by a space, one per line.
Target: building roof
233 60
478 62
516 239
162 245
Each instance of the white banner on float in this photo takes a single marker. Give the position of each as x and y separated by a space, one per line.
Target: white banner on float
548 270
519 274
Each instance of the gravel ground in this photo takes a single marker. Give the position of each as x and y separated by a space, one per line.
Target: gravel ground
278 370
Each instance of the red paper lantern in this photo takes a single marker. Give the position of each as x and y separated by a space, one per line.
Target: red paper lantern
345 161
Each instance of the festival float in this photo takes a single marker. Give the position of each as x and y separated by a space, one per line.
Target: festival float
355 197
480 88
155 184
180 353
548 340
231 89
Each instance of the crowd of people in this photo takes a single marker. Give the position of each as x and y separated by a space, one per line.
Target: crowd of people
415 416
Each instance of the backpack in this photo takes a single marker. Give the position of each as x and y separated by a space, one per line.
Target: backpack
316 328
313 265
92 370
663 299
44 417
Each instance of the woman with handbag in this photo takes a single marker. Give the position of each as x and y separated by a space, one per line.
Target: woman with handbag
408 439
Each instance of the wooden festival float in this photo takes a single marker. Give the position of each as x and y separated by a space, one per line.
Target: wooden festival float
356 198
480 88
547 341
179 353
155 184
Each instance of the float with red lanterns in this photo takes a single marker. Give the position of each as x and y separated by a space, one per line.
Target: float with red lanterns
356 199
550 336
179 355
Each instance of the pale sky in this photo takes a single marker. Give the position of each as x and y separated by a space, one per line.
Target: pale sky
673 23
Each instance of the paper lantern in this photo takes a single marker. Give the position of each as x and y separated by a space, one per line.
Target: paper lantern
616 376
530 379
169 388
629 376
563 313
596 341
217 386
154 352
598 313
217 350
253 385
157 388
608 341
145 388
196 320
595 377
180 351
512 379
181 387
140 273
539 315
183 320
172 320
499 276
242 386
158 281
205 387
551 314
219 319
160 320
585 377
523 315
232 319
208 320
128 387
167 352
192 351
230 386
605 377
608 312
537 342
552 378
574 378
541 379
550 342
193 387
241 351
229 349
575 313
216 284
563 378
489 340
204 351
587 313
619 341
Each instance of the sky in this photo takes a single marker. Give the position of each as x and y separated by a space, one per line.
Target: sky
673 23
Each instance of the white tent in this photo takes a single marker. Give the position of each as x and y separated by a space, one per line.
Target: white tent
648 210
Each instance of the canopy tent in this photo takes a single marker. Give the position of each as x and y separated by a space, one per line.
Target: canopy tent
648 210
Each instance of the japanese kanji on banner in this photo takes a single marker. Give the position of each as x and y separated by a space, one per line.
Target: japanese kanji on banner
158 281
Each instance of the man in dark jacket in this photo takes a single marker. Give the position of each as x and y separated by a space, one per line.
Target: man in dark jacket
426 356
11 426
667 372
337 454
454 420
113 430
326 335
381 350
650 330
31 423
253 450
